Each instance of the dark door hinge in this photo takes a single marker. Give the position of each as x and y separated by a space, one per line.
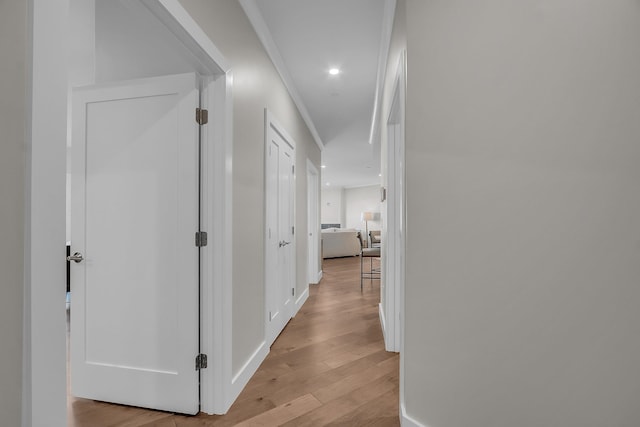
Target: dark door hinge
201 239
202 116
201 361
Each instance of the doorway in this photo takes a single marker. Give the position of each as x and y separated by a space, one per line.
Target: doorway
44 388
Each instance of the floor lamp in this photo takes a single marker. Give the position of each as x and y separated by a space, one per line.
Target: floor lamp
366 217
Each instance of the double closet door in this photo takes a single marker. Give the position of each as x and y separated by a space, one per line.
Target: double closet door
280 221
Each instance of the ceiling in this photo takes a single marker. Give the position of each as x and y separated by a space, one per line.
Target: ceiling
306 38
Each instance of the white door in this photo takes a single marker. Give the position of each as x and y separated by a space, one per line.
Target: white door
280 258
135 203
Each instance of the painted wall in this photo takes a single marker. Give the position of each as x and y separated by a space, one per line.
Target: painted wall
332 207
123 42
256 85
362 199
82 65
523 243
13 93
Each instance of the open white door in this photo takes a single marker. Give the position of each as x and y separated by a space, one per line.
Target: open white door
135 202
280 244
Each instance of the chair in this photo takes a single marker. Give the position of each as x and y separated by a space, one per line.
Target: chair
373 273
374 238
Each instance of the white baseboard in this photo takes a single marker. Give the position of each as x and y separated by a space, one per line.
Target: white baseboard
315 280
301 300
389 346
243 376
382 323
406 420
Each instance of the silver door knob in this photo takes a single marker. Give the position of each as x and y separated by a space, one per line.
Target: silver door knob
283 243
77 257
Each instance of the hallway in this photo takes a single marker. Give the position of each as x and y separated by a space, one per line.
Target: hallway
328 367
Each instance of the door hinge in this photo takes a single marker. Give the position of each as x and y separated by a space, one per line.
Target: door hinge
293 168
293 292
293 230
201 361
202 116
270 317
201 239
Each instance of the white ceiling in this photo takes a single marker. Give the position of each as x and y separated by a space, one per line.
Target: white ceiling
312 36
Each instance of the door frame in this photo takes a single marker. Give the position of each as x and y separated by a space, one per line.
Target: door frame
270 123
313 224
44 349
394 251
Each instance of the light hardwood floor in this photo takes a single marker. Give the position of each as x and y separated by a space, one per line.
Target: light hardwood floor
328 367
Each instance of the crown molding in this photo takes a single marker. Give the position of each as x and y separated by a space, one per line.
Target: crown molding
262 30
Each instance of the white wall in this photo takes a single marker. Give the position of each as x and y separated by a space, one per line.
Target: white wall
362 199
82 55
13 85
523 243
134 44
332 207
344 205
82 62
256 85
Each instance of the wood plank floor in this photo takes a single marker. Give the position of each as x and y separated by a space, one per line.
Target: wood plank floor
328 367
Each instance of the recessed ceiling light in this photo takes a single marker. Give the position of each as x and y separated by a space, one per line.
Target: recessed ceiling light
328 184
334 71
323 166
379 174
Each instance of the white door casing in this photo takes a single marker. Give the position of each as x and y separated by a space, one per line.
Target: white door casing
280 254
135 202
313 223
285 228
392 288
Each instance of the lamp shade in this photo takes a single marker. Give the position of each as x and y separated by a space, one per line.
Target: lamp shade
366 216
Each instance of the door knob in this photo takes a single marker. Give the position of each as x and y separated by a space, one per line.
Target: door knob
77 257
283 243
